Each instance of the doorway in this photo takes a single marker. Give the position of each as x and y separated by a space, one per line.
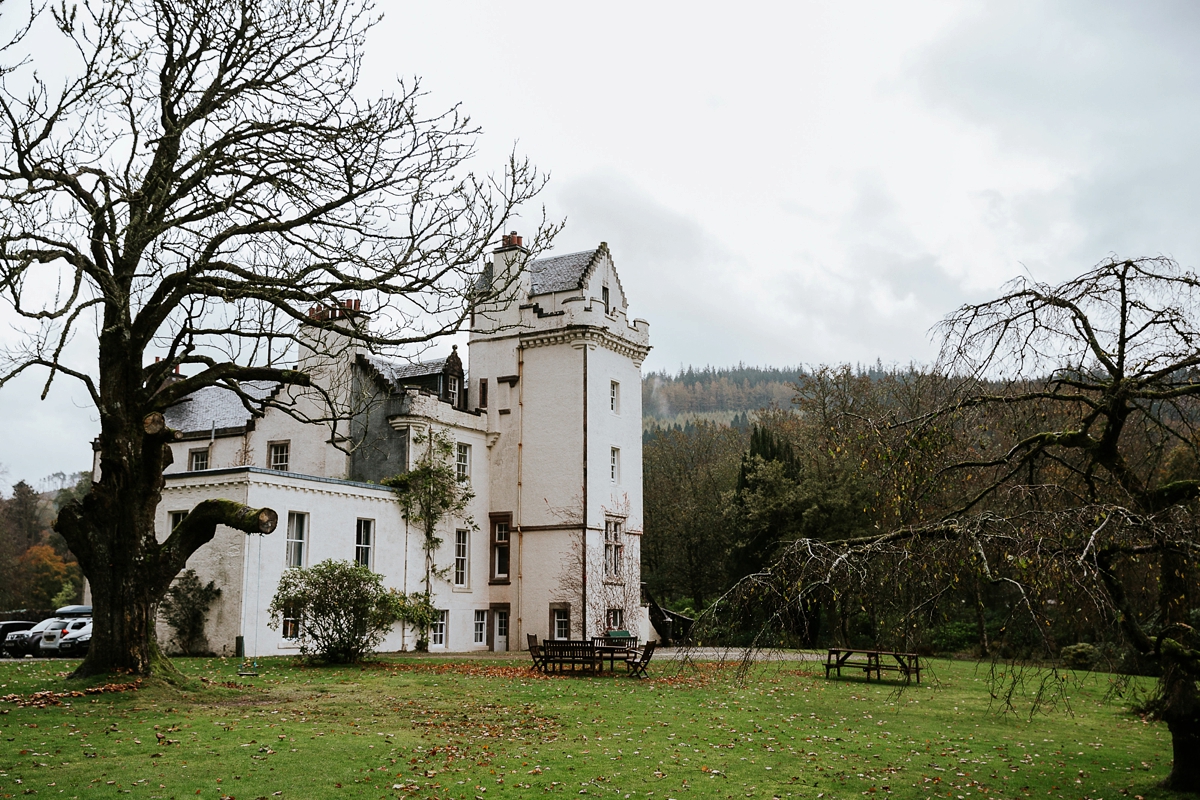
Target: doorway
498 632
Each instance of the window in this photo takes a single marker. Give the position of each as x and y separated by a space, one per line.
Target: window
297 527
604 297
363 537
462 461
483 392
481 627
198 460
176 517
614 464
614 549
291 623
278 455
437 634
500 545
614 620
461 542
561 622
614 397
452 390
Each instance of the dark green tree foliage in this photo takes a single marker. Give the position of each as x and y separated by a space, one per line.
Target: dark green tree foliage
24 512
343 608
689 471
185 608
767 506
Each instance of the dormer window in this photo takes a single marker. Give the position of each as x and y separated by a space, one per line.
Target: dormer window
452 390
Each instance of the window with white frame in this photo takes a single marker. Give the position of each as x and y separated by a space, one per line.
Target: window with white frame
297 531
291 622
614 465
198 460
604 296
614 619
279 455
614 548
364 541
500 551
437 633
462 461
462 542
614 397
480 627
452 390
561 618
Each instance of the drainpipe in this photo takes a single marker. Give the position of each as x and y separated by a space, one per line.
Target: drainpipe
583 554
520 464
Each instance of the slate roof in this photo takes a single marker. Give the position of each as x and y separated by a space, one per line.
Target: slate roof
396 371
560 273
215 404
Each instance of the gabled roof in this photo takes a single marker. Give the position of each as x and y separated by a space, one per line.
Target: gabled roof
562 273
216 406
395 373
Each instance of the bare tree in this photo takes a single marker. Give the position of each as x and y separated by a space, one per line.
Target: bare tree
1073 470
204 177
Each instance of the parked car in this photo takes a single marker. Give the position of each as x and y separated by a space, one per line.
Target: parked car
76 641
53 636
8 627
19 644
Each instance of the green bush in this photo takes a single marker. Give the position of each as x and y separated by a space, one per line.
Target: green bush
343 609
185 608
1079 656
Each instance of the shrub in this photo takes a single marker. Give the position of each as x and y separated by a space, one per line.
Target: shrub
185 608
1079 656
344 610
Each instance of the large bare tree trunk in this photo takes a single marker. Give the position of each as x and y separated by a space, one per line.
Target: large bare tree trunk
111 531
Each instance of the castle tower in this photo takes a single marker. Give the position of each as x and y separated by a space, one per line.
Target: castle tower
555 365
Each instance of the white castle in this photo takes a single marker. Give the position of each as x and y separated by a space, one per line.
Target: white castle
546 426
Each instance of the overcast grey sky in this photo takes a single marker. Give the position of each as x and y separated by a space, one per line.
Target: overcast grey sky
786 183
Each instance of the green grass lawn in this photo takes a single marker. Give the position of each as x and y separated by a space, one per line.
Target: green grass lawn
471 729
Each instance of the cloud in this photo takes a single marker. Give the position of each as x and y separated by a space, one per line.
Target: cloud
676 274
1107 95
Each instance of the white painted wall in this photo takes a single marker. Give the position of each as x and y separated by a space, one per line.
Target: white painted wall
528 462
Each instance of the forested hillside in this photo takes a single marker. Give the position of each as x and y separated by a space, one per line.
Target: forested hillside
714 394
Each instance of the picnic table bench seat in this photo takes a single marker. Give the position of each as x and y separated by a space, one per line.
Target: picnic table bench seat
578 655
873 661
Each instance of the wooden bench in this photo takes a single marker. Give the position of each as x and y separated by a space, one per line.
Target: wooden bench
873 661
558 655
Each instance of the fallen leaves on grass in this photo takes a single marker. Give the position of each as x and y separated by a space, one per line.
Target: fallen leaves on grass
49 698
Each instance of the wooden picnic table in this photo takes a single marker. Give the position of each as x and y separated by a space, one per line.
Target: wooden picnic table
612 649
876 661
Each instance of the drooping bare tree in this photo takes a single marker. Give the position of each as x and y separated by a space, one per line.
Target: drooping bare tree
1072 471
204 178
